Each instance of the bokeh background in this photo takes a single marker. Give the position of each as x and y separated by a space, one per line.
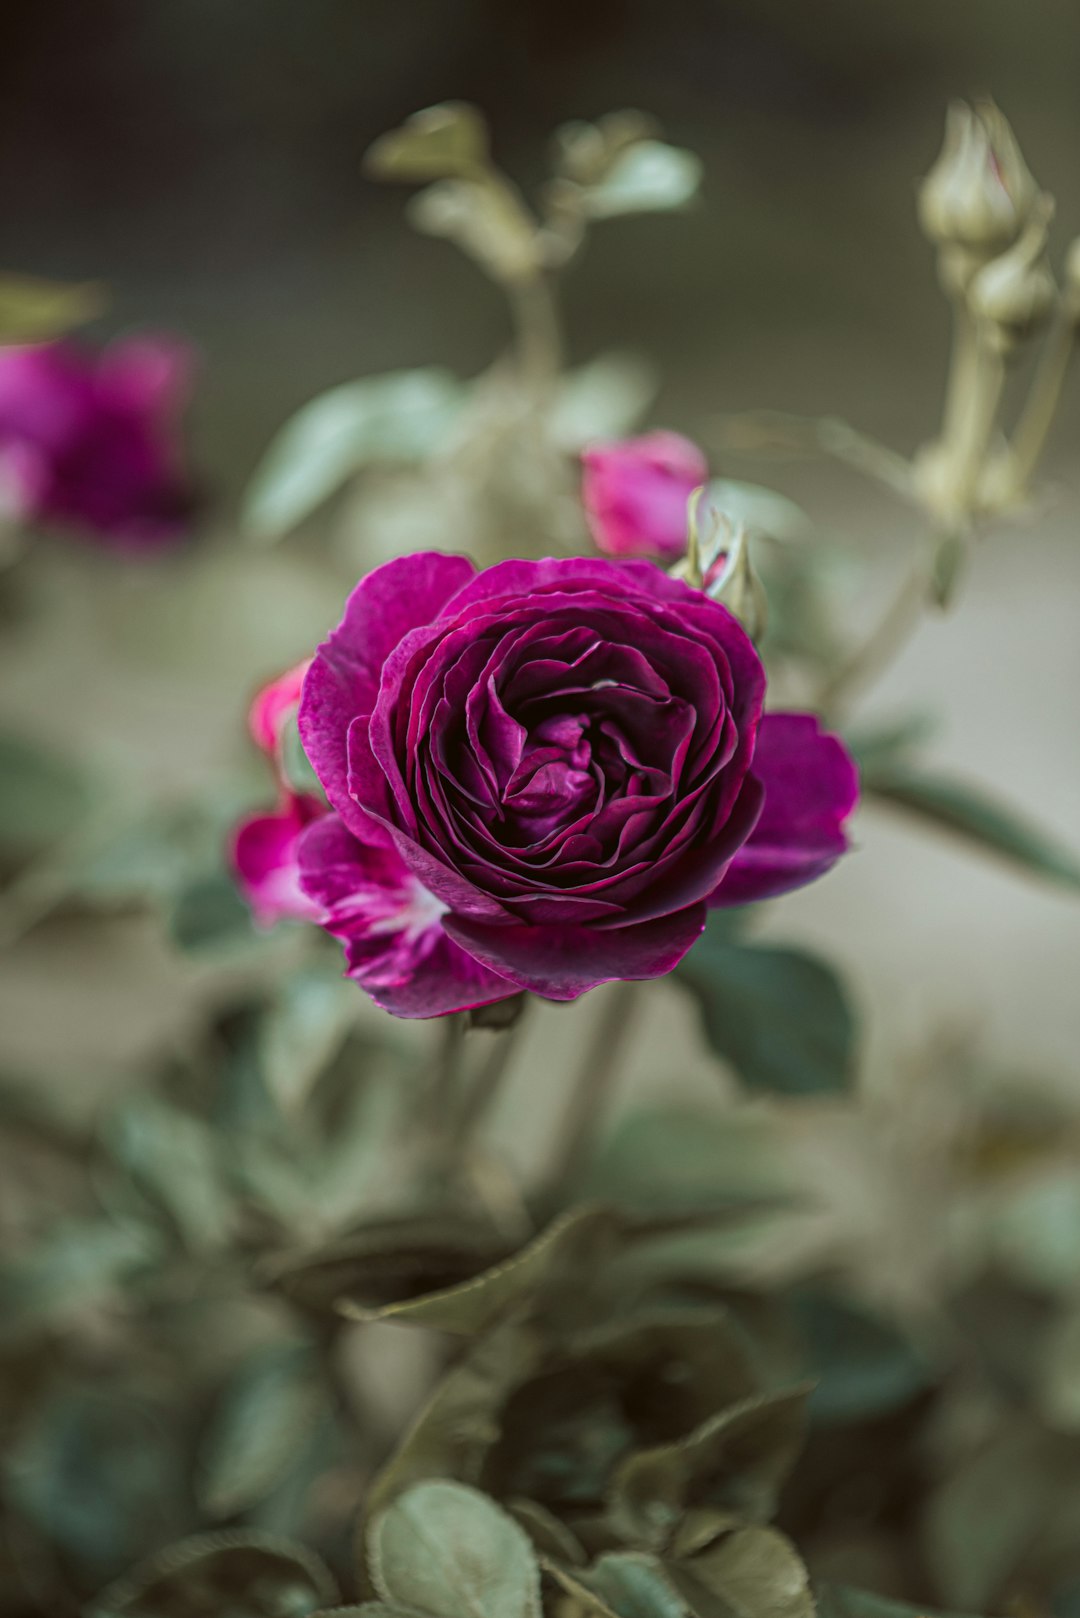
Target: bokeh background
203 161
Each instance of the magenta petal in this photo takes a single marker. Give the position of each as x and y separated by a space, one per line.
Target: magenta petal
562 963
265 862
811 786
395 946
343 680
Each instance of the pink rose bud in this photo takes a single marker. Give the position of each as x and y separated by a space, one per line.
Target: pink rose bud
273 705
91 440
635 492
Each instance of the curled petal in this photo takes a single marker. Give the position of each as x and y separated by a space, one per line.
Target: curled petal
811 787
264 858
392 927
272 706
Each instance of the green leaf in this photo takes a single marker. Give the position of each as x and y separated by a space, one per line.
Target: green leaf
604 399
671 1159
843 1601
622 1585
471 1306
264 1415
449 1551
959 809
780 1017
175 1160
42 798
862 1367
78 1264
34 310
752 1573
447 139
648 177
210 914
887 746
100 1476
401 416
245 1575
487 222
304 1029
734 1462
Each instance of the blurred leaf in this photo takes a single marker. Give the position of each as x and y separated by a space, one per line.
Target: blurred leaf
1059 1383
448 139
99 1476
960 809
34 310
778 1016
244 1575
842 1601
980 1522
648 177
472 1305
78 1264
667 1159
447 1550
488 223
1034 1229
888 745
175 1160
549 1536
604 399
303 1029
735 1463
457 1427
262 1419
762 510
401 416
622 1584
42 797
863 1368
210 914
753 1573
387 1262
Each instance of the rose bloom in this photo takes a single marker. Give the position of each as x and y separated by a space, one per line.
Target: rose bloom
542 776
263 851
635 492
91 440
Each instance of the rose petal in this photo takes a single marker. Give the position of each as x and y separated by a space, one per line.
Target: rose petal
811 786
265 861
343 680
562 963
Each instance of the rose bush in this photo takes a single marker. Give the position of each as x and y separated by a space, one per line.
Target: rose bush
543 773
91 440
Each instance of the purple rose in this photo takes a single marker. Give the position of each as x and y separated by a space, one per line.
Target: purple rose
635 492
543 774
91 440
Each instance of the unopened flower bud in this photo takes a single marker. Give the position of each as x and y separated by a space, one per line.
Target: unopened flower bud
979 193
1072 280
732 580
1016 292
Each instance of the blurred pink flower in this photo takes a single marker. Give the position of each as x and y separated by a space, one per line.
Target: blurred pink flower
272 707
91 440
635 492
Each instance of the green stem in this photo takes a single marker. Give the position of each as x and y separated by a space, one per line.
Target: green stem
488 1081
576 1135
963 365
875 654
1038 413
539 339
446 1081
977 422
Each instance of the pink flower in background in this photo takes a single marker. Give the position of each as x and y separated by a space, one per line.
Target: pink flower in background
635 492
542 774
264 848
91 440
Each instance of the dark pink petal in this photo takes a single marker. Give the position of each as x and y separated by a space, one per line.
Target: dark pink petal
150 373
343 681
272 706
635 492
811 787
562 963
265 861
395 946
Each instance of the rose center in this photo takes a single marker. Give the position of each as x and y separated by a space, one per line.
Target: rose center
555 780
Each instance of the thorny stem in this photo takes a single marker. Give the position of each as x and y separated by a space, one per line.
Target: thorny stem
596 1076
